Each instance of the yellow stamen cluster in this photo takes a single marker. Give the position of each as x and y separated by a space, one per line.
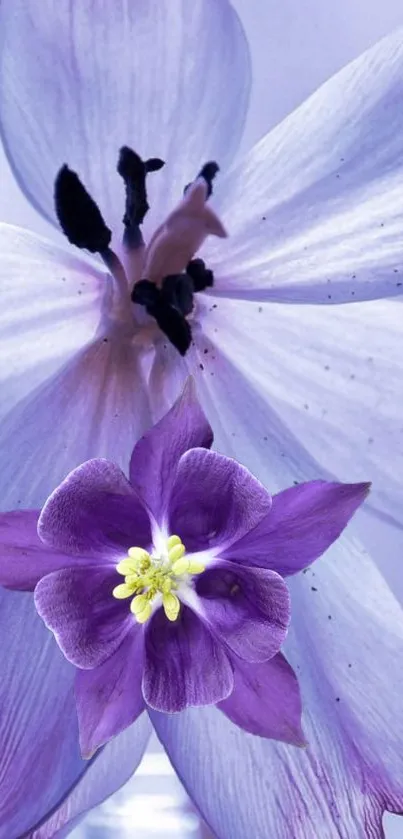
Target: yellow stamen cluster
147 576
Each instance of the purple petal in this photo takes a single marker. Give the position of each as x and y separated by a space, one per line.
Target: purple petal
24 559
77 604
190 108
303 522
185 665
112 767
325 227
266 700
95 512
248 608
109 697
40 757
156 456
214 500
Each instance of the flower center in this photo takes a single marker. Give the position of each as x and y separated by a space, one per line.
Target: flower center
152 578
162 276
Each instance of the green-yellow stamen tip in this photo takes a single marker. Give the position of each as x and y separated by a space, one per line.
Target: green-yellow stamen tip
171 604
148 576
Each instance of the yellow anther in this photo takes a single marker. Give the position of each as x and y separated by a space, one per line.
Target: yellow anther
171 606
172 541
139 603
181 566
126 566
139 555
196 567
142 617
166 585
122 591
176 552
132 579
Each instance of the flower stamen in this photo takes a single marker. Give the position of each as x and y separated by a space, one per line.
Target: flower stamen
149 577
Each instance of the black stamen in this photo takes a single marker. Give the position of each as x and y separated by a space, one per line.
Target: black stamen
145 293
78 214
177 291
201 276
134 171
173 325
169 319
208 172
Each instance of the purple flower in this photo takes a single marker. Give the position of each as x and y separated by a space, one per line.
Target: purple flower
166 590
295 391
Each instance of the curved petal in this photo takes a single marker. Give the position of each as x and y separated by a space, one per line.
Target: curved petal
24 559
214 501
94 511
266 700
78 606
352 767
50 307
40 758
111 769
303 522
109 697
315 210
179 91
247 608
338 391
296 47
184 665
156 456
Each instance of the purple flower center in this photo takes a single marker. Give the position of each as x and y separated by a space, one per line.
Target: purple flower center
155 579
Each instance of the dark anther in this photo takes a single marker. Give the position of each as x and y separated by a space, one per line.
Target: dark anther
170 320
134 171
177 290
78 214
202 277
146 294
173 325
208 172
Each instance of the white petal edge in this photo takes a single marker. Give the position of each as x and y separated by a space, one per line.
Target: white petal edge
315 210
178 91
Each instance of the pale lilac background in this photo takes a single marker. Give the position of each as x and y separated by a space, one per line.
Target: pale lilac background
296 44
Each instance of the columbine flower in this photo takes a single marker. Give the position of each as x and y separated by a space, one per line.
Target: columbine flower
167 589
313 214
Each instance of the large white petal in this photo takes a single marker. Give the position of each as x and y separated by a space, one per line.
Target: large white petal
315 210
168 77
50 306
333 378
